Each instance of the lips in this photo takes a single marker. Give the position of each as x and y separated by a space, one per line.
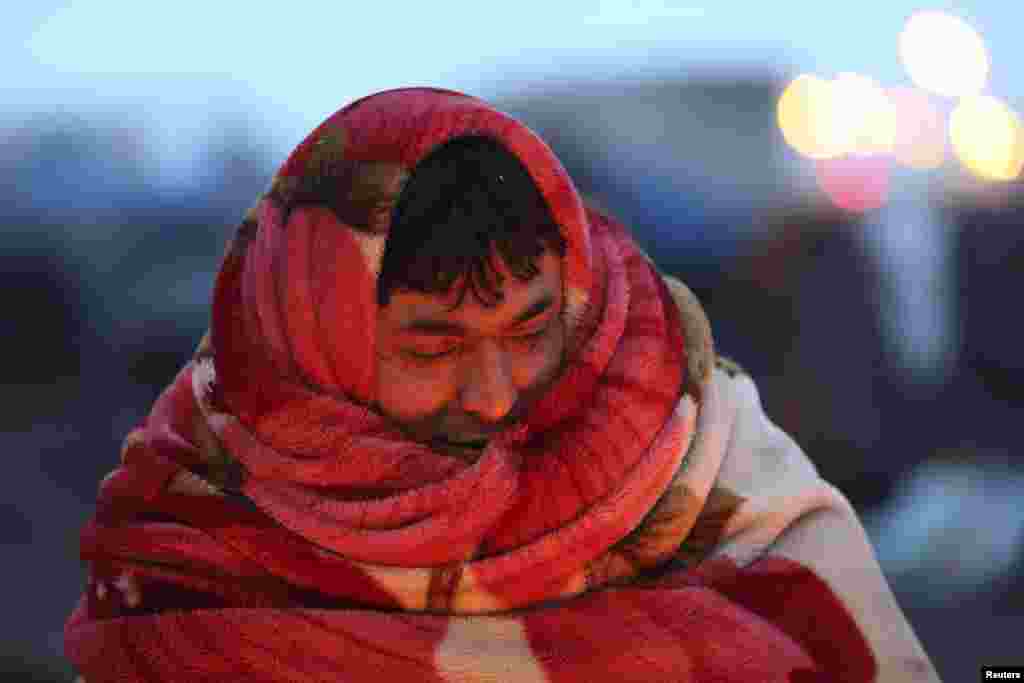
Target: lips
475 442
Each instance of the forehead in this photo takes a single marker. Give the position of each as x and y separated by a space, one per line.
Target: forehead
405 306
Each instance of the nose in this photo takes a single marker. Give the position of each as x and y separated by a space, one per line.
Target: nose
487 387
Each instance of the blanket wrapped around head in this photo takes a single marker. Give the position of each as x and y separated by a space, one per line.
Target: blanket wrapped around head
266 523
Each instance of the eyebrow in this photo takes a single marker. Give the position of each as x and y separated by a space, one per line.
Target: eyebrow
446 327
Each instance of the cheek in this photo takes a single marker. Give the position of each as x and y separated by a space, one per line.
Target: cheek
407 394
557 356
543 365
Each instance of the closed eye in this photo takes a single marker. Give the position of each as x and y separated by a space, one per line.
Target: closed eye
431 356
532 335
528 338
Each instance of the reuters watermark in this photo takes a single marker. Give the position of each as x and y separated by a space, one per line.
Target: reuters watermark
1002 673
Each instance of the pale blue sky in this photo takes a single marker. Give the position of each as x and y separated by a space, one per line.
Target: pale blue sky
292 63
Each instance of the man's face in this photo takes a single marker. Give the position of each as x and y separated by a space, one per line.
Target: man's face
454 378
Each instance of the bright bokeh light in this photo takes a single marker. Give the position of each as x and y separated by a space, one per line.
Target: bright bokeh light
943 54
920 129
855 183
987 137
864 114
826 119
806 119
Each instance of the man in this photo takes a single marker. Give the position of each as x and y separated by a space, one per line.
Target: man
451 425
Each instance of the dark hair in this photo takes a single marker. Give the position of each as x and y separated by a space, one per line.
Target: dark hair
466 196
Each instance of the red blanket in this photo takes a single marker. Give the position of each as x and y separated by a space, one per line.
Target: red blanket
265 524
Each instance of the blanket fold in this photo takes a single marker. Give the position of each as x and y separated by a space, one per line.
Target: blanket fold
266 523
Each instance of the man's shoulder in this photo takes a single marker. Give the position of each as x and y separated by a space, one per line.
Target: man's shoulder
758 449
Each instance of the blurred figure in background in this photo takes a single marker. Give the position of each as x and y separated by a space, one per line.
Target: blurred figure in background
810 332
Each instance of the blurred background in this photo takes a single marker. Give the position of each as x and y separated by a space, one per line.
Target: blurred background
840 184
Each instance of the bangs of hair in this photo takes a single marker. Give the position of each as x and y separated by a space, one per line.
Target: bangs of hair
469 201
